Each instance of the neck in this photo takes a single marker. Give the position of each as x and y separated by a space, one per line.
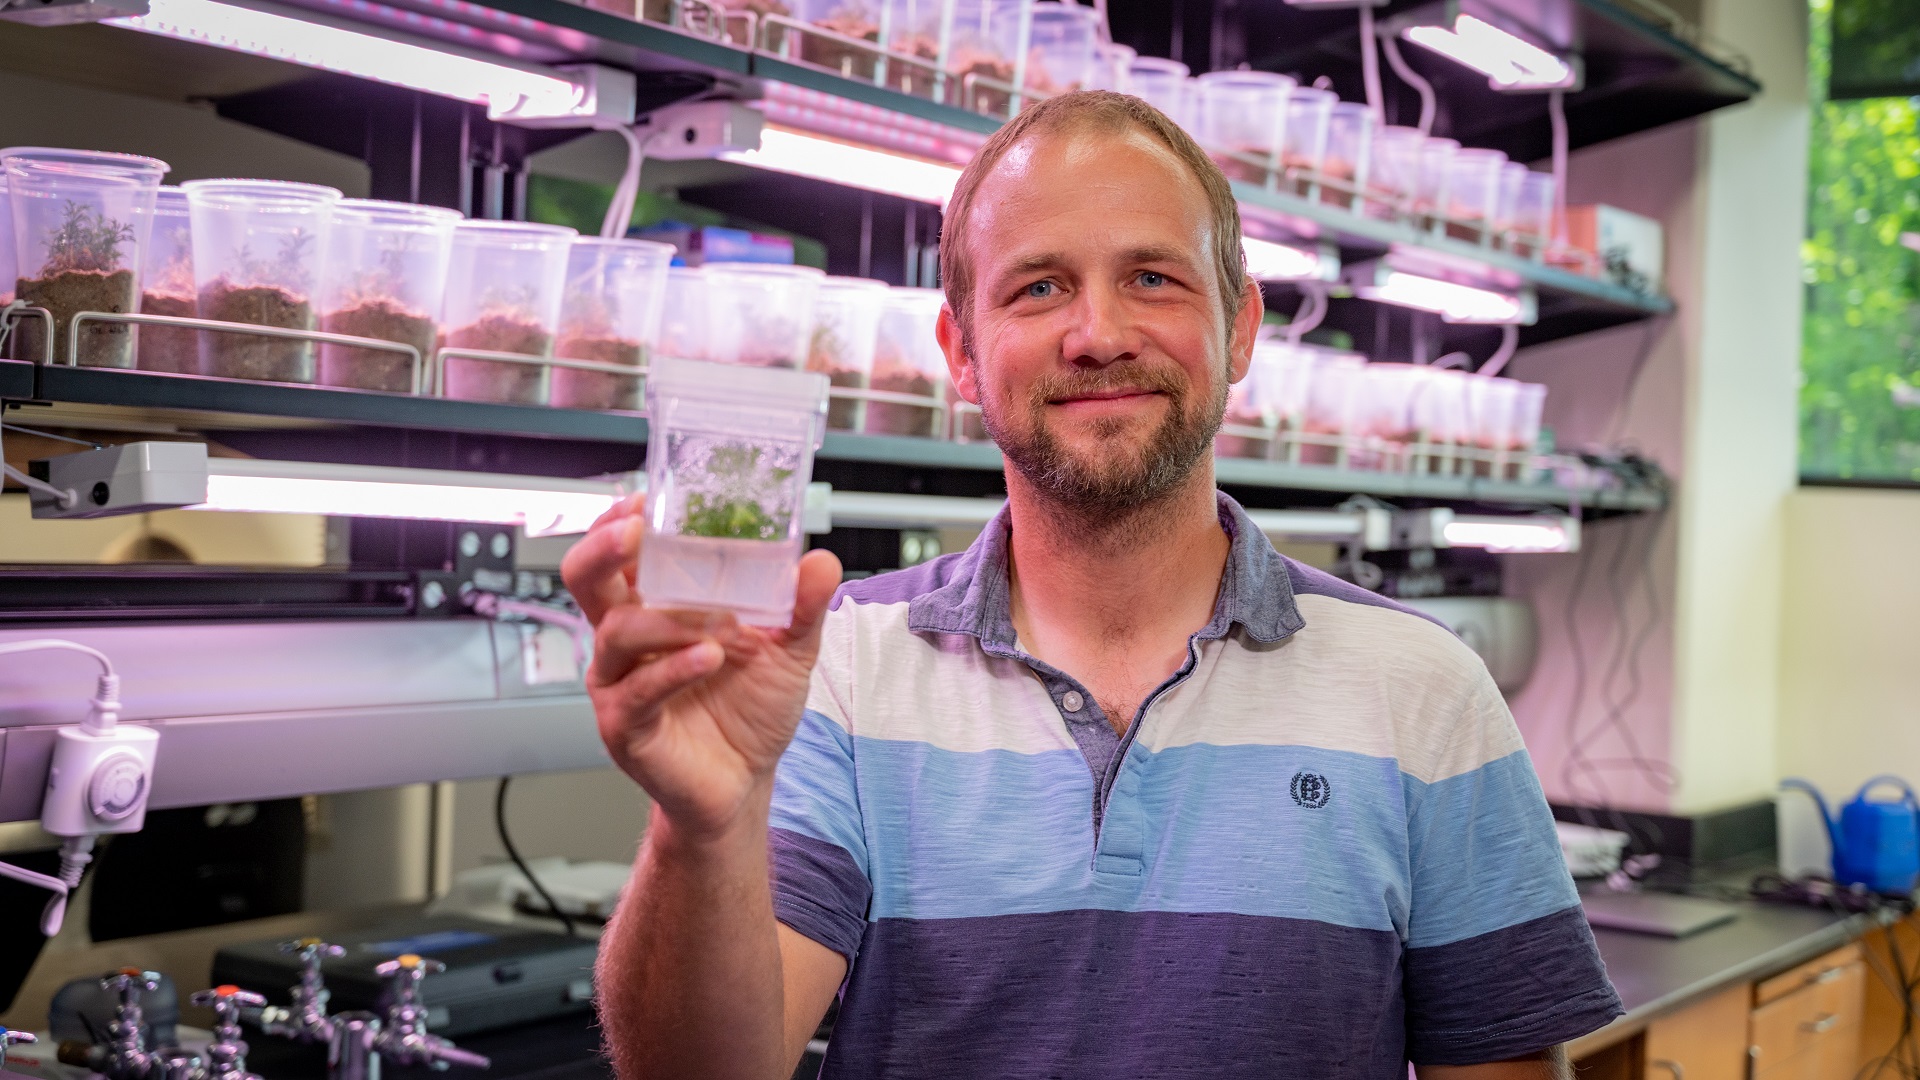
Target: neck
1158 563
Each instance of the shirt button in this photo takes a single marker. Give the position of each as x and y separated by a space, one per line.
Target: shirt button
1072 701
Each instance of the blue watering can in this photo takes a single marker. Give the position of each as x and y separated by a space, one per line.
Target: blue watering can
1875 844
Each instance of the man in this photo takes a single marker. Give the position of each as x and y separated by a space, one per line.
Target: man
1119 791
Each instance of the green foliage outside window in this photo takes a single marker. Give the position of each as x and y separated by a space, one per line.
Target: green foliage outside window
1860 355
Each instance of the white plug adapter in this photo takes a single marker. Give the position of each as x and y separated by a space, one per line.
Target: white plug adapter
99 781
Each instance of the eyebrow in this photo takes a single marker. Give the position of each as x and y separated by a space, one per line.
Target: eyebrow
1050 260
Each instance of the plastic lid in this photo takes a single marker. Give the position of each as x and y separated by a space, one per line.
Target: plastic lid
92 164
801 390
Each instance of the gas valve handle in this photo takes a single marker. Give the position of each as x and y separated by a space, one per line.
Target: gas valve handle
311 950
9 1037
227 1053
130 983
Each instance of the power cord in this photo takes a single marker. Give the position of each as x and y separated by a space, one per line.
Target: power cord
506 841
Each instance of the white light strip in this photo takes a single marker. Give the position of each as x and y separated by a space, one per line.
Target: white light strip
543 506
1515 535
853 166
1509 62
381 57
1268 261
1453 301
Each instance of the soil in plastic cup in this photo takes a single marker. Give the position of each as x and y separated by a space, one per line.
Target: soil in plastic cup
1473 192
729 454
1112 63
1530 221
1241 117
167 288
386 278
1304 150
1385 414
1430 200
1333 406
8 278
1393 171
1060 54
616 290
259 247
1440 417
914 30
907 360
846 318
1250 402
1349 148
683 322
857 19
1165 85
80 223
504 288
760 315
985 39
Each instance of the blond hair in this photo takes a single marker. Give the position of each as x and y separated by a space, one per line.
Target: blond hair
1108 112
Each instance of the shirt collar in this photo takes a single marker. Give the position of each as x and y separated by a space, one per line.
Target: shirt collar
1256 592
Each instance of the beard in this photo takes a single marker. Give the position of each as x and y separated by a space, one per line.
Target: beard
1121 473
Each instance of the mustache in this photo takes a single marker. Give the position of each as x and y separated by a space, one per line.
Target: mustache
1126 378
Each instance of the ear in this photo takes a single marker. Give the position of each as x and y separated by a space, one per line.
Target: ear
960 370
1246 328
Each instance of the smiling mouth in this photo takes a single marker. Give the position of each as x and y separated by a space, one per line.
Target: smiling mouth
1117 393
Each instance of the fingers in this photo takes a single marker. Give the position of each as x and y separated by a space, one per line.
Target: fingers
819 577
631 703
631 636
595 568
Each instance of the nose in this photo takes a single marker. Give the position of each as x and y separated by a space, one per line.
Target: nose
1101 330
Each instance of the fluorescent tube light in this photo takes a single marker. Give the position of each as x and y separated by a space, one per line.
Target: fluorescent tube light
1515 535
1454 302
1268 261
312 41
544 506
853 166
1509 62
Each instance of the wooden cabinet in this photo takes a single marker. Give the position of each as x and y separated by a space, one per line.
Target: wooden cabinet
1806 1022
1704 1041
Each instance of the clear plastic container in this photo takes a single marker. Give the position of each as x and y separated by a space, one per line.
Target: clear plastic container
258 250
846 319
386 278
8 278
616 290
913 29
1061 47
1112 64
729 454
1436 176
1529 402
1441 414
1333 406
683 321
1490 404
167 288
1260 399
504 286
80 224
1473 192
760 315
1349 145
1241 116
1530 217
1163 84
985 39
1304 150
907 360
1393 174
858 19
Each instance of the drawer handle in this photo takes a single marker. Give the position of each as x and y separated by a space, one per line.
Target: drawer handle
1821 1023
1673 1067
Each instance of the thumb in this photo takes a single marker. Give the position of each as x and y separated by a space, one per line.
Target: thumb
819 577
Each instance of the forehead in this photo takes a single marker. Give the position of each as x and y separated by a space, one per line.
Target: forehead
1087 191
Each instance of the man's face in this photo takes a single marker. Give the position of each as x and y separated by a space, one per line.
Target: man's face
1099 354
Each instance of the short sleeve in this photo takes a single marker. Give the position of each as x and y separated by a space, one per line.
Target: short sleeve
816 841
1500 962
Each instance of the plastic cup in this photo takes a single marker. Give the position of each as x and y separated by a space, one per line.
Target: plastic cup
1441 412
857 19
167 288
1530 221
1473 192
1240 117
1250 402
1060 51
1386 414
386 278
846 319
1333 406
907 360
1436 176
683 321
258 250
615 292
80 225
1529 401
985 38
1349 146
1163 84
1304 150
1112 64
8 255
760 315
914 30
729 454
504 286
1393 174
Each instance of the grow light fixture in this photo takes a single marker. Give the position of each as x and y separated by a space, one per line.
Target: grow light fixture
1515 535
1455 290
1269 261
315 41
1510 62
799 154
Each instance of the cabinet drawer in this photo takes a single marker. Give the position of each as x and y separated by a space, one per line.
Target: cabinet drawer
1810 972
1812 1031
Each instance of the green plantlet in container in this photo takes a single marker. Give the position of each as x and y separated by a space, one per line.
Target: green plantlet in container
86 239
729 509
83 272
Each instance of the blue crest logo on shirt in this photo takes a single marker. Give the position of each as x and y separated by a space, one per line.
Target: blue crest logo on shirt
1310 790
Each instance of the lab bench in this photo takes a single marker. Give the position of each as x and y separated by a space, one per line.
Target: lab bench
1696 1007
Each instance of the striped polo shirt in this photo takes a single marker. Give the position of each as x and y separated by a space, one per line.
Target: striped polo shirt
1319 851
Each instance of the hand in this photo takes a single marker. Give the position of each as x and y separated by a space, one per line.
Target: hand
696 708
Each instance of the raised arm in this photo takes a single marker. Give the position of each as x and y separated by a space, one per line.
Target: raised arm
696 978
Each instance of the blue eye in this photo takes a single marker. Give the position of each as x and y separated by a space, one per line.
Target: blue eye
1153 280
1040 290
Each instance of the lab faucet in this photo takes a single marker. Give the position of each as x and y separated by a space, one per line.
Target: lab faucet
227 1053
304 1018
403 1038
